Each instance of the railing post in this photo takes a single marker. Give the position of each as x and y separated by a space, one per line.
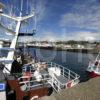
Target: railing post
51 64
63 71
58 86
55 66
69 75
76 76
29 83
52 81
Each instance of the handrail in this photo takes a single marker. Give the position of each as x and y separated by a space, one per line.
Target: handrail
66 70
67 73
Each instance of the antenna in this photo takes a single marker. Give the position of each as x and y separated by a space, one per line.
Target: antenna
35 23
21 8
27 8
11 11
35 20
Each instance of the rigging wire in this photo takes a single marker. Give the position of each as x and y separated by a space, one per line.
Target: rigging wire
21 5
35 18
35 24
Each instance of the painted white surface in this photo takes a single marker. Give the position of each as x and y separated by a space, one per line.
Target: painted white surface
13 45
3 95
54 70
38 76
1 44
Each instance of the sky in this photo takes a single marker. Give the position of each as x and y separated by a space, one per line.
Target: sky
59 19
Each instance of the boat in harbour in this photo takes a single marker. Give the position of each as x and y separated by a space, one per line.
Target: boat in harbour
94 67
27 79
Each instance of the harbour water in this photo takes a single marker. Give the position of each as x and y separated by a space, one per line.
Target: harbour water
77 62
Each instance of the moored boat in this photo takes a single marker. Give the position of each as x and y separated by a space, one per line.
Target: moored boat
94 67
34 79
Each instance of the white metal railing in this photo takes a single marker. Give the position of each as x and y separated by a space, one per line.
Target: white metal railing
29 81
64 71
53 81
70 75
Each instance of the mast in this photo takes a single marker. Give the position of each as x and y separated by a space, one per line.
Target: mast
19 19
21 8
97 56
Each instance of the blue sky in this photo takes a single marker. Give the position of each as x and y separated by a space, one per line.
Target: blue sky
61 19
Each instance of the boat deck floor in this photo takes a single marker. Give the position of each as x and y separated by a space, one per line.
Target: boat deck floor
62 79
44 71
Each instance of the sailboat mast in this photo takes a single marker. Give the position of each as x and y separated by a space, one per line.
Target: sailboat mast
97 56
10 55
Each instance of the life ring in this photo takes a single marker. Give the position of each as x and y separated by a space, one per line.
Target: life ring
69 83
35 98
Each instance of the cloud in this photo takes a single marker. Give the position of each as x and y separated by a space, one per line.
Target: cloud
49 36
82 15
85 36
41 9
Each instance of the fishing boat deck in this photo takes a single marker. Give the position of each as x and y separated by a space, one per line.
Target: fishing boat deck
44 72
52 75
